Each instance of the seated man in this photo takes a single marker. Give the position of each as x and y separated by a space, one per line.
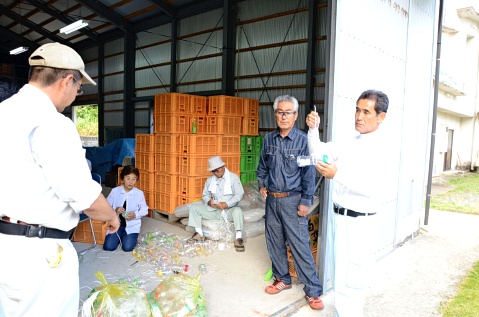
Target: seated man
222 191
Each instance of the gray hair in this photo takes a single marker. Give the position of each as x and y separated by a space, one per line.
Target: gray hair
287 98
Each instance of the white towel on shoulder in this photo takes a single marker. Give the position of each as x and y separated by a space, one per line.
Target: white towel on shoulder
227 188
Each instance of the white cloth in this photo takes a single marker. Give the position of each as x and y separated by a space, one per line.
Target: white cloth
227 184
46 182
135 201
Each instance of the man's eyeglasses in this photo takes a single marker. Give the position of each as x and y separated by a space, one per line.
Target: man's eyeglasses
282 113
80 89
216 170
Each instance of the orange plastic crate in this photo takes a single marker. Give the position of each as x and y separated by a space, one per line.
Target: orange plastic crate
198 105
229 144
183 199
145 161
292 270
193 165
167 143
173 103
225 106
166 183
198 144
119 181
167 163
145 143
232 162
251 107
166 202
83 232
201 124
191 185
224 125
172 123
150 198
146 181
250 126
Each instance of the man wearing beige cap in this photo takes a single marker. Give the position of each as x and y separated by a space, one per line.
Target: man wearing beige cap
222 191
48 185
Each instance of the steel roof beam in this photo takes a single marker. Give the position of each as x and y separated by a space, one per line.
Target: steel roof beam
165 7
105 12
18 18
62 17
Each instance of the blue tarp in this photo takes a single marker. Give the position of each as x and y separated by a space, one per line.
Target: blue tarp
104 158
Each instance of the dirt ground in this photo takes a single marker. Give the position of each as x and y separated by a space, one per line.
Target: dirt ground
421 275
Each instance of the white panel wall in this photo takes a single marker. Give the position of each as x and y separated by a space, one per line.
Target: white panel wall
388 46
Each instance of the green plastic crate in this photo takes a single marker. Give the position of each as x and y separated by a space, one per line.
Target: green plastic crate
249 163
247 177
251 144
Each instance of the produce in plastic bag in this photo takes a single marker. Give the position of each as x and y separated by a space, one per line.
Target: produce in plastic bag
116 300
179 295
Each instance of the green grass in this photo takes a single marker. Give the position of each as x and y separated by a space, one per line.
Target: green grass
466 302
462 197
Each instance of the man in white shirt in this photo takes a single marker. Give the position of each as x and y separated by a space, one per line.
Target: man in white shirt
361 188
48 185
222 192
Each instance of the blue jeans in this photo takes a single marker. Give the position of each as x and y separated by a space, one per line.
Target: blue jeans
128 241
284 225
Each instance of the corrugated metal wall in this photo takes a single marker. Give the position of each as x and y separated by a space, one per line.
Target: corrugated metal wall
271 58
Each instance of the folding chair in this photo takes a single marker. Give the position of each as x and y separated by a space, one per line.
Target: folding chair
83 217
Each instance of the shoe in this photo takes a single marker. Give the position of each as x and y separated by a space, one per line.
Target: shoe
315 302
239 246
277 287
197 238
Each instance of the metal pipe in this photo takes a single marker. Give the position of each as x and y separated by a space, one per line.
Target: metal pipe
434 115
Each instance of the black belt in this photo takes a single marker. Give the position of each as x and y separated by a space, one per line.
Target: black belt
283 195
349 212
33 231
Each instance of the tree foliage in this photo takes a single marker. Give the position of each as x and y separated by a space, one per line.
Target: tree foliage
87 120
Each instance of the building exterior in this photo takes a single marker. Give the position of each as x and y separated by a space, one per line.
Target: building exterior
457 128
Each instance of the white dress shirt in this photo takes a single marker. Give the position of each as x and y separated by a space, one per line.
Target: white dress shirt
365 175
45 177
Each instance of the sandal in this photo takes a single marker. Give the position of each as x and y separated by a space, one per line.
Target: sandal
239 246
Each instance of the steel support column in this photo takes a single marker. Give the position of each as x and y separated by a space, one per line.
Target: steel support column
229 47
101 94
129 85
174 42
311 57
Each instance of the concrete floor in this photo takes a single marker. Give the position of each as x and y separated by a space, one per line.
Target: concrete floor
233 286
411 281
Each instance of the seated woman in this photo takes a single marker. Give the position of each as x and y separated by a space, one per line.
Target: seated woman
130 205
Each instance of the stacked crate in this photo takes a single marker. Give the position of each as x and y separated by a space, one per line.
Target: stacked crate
173 116
250 148
144 161
177 161
225 118
250 124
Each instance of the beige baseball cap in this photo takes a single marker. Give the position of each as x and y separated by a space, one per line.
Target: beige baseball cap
56 55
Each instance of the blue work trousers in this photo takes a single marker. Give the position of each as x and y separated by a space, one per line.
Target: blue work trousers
283 225
128 241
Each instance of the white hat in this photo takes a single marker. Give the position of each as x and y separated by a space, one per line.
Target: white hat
214 162
56 55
